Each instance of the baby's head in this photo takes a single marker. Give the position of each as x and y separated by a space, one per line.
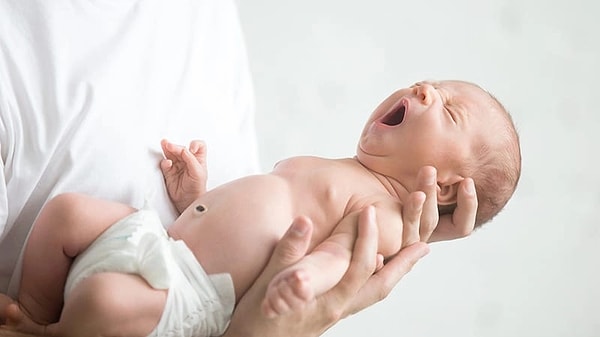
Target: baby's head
455 126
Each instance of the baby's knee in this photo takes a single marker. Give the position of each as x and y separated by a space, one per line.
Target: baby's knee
63 206
65 202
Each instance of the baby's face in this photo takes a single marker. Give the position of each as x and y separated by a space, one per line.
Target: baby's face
430 123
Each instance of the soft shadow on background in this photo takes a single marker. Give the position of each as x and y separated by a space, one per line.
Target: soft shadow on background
321 67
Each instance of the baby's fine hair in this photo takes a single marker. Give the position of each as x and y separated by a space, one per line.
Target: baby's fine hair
498 167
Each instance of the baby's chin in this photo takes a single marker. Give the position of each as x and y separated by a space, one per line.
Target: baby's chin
364 155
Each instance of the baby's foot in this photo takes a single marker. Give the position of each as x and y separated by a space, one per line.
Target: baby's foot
16 319
288 291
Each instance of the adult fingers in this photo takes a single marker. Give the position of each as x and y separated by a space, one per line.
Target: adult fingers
381 284
249 320
427 182
411 218
362 266
291 248
462 221
466 209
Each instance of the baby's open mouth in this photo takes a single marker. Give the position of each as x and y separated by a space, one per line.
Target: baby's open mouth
394 117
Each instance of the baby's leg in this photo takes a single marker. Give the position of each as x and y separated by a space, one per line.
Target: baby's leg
105 304
66 226
315 273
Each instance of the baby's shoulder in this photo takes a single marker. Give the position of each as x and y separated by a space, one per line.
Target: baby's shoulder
303 163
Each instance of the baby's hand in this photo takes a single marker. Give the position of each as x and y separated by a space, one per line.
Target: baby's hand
184 171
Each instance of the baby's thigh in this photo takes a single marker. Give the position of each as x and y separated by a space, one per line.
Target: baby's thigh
110 304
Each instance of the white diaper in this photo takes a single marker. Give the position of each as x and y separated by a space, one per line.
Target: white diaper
197 304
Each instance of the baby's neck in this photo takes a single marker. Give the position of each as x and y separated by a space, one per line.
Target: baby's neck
394 187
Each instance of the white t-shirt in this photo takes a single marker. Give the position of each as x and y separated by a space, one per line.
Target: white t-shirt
88 88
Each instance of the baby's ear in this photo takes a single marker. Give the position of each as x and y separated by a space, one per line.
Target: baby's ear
447 190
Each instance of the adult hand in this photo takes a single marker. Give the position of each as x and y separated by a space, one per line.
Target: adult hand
358 289
450 226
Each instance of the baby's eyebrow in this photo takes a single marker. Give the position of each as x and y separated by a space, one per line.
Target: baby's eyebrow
435 84
418 84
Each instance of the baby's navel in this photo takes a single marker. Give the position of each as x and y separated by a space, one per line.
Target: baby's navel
201 208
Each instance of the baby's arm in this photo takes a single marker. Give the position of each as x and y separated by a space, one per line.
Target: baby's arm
325 266
184 171
66 226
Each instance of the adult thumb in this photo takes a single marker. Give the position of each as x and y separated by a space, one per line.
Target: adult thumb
292 246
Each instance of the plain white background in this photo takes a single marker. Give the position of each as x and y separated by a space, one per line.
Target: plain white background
321 66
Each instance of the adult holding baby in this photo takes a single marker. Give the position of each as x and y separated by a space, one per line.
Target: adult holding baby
86 89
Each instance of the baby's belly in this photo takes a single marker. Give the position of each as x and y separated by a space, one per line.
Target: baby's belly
240 226
261 202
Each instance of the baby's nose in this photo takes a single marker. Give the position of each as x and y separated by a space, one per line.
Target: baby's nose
424 92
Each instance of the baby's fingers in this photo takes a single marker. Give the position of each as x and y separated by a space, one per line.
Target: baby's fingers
170 150
191 162
196 146
166 165
198 149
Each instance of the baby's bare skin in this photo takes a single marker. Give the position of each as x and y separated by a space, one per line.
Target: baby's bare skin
253 209
234 228
247 214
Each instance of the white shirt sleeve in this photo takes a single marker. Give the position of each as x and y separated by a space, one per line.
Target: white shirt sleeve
3 193
93 86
